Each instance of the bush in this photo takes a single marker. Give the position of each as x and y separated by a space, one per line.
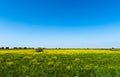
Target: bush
39 50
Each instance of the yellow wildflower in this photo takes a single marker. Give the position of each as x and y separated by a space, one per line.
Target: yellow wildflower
9 63
69 67
77 59
50 63
27 57
55 57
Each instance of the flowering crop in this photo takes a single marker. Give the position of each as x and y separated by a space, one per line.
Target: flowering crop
59 63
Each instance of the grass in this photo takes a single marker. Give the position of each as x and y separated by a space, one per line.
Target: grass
59 63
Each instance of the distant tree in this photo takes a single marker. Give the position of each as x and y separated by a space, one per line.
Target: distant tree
19 47
7 48
24 47
2 48
112 48
39 50
15 48
32 48
44 48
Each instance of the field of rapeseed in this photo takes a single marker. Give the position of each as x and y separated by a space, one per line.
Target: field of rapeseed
59 63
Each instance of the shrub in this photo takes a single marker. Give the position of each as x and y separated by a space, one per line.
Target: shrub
39 50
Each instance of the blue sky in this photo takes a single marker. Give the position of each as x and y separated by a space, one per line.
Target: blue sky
60 23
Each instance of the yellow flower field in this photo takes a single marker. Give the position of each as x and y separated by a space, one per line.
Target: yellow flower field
60 51
60 63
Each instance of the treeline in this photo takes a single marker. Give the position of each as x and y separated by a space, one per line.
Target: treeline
17 48
61 48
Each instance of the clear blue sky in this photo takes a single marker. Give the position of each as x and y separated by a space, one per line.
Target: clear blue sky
60 23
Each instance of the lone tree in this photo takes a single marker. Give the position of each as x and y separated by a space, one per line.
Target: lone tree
39 50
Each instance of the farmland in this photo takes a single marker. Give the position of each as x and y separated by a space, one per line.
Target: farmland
60 63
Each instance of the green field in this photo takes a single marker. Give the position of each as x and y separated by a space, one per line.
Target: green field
60 63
